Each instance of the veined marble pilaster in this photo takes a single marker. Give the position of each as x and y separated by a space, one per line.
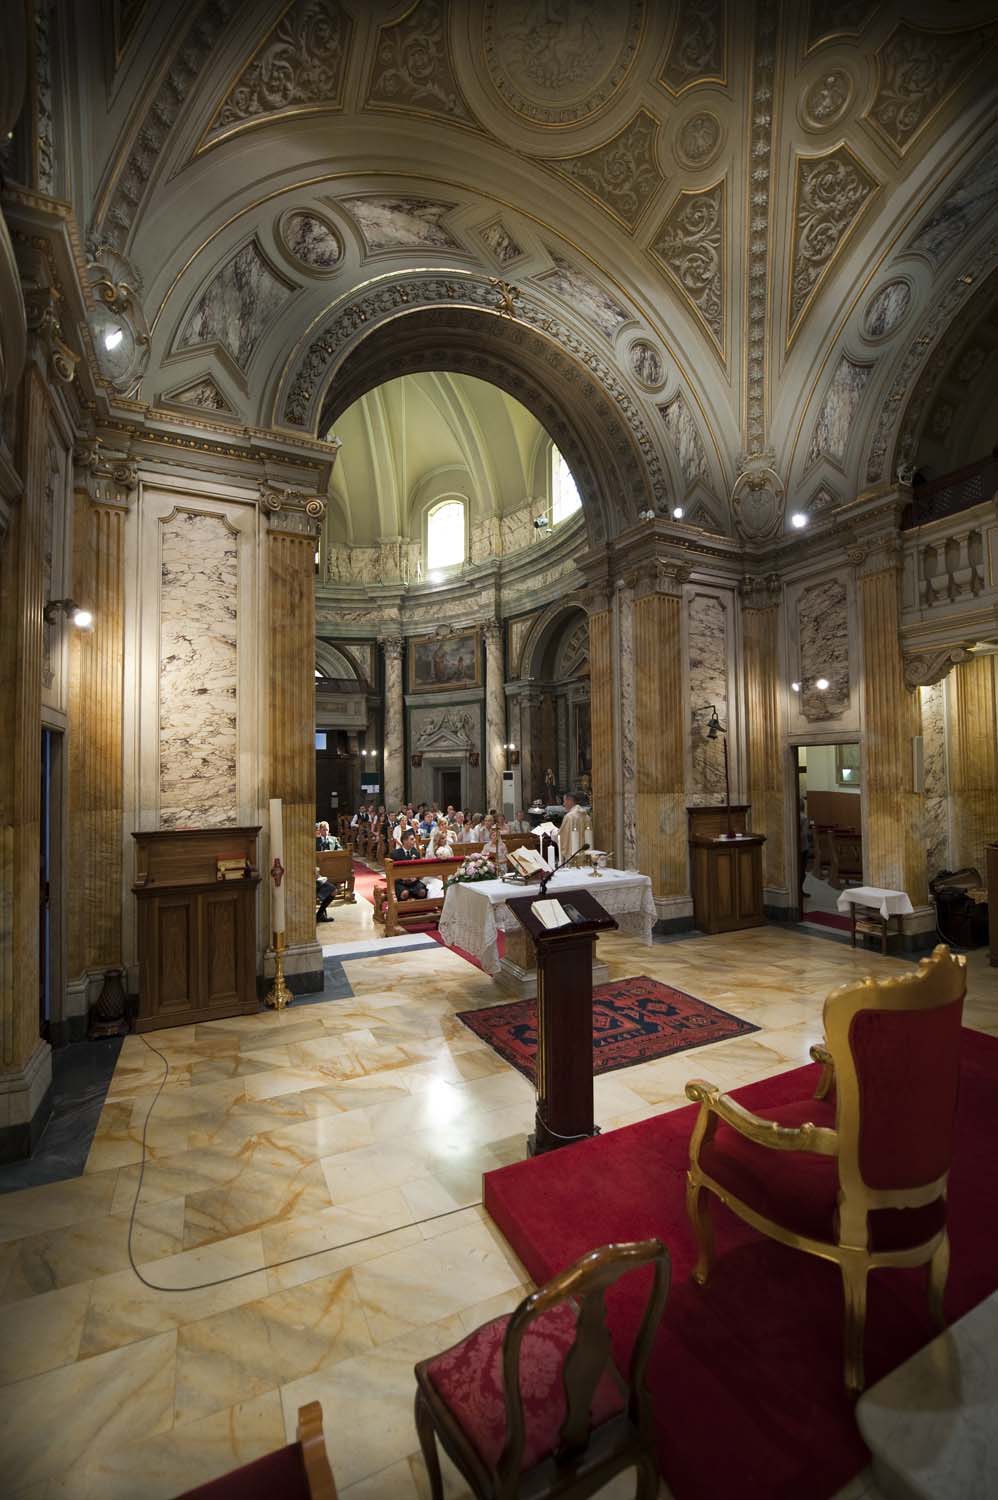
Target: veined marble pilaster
628 757
291 586
602 710
708 645
937 783
21 605
660 810
394 755
974 762
531 770
495 715
104 489
894 851
760 625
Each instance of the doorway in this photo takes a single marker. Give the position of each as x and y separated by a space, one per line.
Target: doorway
830 828
447 787
49 881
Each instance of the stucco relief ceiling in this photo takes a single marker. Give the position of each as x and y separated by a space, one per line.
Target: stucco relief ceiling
756 218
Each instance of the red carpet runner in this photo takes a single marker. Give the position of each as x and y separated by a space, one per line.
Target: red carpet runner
746 1375
634 1020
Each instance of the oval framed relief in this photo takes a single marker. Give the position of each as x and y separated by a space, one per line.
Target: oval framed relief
310 240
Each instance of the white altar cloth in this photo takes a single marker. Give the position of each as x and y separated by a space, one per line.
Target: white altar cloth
475 913
888 903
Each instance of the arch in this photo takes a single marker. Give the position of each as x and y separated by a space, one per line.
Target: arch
337 661
571 390
544 633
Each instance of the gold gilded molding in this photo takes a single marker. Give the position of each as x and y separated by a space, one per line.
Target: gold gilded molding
691 247
298 69
917 71
413 72
623 174
697 49
834 20
831 193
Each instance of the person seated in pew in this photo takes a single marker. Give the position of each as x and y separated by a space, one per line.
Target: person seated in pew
324 893
324 840
494 848
440 845
408 890
477 834
520 824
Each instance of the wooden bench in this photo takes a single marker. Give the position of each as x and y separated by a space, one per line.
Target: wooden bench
395 913
337 866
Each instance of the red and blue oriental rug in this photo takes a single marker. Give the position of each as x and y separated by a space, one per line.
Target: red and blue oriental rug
634 1020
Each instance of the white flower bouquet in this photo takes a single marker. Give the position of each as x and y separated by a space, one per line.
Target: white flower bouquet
476 867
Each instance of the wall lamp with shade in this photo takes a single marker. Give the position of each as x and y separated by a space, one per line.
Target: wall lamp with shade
715 728
81 618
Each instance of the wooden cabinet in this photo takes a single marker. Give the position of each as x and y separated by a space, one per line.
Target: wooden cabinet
991 853
197 934
726 874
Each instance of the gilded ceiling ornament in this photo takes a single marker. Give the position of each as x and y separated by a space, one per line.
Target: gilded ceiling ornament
506 297
560 64
696 52
299 67
413 69
887 309
758 499
623 175
830 192
916 71
759 148
236 307
831 19
826 100
697 141
690 245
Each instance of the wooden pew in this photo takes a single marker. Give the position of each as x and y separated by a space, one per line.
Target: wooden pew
337 866
398 913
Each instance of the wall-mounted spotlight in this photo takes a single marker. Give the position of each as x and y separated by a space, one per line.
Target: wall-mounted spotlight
541 523
646 515
798 520
81 618
677 512
821 683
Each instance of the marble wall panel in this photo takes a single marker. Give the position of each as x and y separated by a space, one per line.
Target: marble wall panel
501 243
823 634
686 440
310 240
586 296
707 634
937 803
236 306
401 223
198 697
832 429
886 309
961 212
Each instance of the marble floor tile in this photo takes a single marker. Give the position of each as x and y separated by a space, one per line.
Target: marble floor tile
43 1332
91 1248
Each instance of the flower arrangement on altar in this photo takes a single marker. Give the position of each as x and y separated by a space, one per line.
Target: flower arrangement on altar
475 867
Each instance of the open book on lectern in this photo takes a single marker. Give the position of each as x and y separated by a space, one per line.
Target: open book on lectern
527 862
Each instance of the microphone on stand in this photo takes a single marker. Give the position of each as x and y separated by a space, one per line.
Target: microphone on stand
562 866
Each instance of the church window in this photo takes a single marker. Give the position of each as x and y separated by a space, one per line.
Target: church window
445 535
565 497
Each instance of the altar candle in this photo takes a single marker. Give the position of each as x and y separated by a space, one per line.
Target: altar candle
276 857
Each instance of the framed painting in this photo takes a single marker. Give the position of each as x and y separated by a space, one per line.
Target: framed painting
438 663
847 766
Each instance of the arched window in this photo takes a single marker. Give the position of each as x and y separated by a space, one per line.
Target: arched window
565 498
445 535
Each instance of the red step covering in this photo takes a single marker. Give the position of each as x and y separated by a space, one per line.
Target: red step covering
746 1375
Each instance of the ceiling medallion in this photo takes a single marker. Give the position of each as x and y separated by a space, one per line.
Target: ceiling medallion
698 139
559 65
647 364
825 101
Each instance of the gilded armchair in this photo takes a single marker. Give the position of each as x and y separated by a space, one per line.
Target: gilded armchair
857 1174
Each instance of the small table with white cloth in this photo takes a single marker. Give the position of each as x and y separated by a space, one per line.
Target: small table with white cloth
876 908
474 914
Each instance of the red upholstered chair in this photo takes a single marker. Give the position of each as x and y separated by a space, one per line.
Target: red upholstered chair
298 1472
858 1173
533 1403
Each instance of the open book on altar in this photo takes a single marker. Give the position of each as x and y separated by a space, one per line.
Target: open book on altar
527 862
551 829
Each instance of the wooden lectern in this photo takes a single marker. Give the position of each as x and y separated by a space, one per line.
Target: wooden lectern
564 1072
726 873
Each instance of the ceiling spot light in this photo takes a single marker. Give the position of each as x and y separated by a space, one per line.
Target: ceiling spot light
795 687
113 339
798 520
677 512
822 684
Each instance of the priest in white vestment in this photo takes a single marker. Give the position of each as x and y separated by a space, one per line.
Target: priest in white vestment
571 834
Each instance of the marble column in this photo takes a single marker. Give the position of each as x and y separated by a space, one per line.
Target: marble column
628 836
894 850
393 755
766 758
660 795
974 761
291 580
495 714
597 606
96 832
25 1060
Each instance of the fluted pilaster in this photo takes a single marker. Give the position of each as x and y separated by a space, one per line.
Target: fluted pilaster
602 679
394 757
495 715
660 803
760 631
894 854
974 761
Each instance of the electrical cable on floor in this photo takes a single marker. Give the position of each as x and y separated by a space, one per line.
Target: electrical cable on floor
203 1286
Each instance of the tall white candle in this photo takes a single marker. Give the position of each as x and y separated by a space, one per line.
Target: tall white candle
276 865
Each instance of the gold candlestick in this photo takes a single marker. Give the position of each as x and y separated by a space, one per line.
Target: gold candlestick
279 995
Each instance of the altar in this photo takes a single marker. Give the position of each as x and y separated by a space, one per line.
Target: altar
475 913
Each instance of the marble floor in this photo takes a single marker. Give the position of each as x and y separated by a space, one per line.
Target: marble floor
308 1223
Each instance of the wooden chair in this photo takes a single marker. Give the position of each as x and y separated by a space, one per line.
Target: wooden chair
298 1472
857 1174
532 1403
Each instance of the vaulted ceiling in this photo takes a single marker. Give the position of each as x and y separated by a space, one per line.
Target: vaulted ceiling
749 226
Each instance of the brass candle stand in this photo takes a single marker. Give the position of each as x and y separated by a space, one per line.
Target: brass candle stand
279 995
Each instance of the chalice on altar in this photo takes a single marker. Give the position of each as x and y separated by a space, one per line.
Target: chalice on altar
595 855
